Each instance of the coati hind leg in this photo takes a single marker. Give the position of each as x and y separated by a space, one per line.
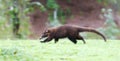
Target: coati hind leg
81 38
47 40
72 39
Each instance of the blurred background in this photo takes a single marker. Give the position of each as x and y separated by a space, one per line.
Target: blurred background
27 19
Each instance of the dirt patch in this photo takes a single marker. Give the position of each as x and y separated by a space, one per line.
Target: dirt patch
86 12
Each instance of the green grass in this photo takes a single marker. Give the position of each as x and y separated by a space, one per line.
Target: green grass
64 50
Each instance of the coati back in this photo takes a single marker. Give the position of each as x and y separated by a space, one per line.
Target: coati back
69 31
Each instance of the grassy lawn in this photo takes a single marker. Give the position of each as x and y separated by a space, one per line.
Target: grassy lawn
64 50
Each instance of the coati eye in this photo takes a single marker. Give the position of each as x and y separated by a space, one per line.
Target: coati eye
48 31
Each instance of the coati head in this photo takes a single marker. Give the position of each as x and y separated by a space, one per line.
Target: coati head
45 34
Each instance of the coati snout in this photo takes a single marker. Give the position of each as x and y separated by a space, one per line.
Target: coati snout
45 34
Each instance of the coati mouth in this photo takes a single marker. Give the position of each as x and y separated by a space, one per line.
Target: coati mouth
43 38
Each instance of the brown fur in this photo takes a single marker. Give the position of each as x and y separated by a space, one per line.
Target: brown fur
70 31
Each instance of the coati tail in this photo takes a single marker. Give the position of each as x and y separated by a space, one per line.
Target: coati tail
92 30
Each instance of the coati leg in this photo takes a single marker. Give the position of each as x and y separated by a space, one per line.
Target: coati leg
81 38
56 40
47 40
72 39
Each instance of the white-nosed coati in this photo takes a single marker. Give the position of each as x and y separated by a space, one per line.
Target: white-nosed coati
70 31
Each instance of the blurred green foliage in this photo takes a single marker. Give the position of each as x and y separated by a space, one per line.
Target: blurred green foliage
31 7
64 14
51 4
6 7
61 14
25 7
113 3
110 28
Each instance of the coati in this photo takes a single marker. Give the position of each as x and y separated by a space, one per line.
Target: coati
69 31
